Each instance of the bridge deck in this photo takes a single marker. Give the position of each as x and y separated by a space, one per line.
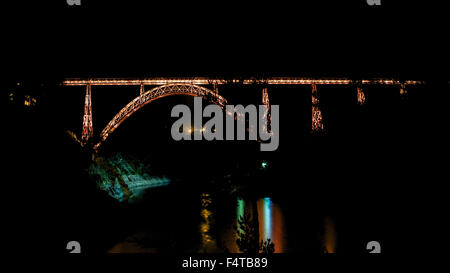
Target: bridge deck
220 81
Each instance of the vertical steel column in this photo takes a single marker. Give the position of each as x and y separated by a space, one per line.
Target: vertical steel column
360 95
142 90
88 130
403 90
215 88
317 124
265 101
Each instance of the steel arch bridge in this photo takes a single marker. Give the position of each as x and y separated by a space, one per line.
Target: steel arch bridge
194 87
157 93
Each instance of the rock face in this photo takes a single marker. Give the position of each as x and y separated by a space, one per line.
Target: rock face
123 177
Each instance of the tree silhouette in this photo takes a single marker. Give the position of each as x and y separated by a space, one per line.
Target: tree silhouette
247 240
267 246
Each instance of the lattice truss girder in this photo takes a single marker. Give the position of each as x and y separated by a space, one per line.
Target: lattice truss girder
317 124
87 131
191 87
361 98
265 101
159 92
220 81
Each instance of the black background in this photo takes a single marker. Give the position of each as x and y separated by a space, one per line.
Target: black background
130 38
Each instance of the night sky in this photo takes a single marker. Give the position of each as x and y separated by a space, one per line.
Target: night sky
128 38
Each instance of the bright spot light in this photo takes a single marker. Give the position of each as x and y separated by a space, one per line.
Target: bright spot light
264 164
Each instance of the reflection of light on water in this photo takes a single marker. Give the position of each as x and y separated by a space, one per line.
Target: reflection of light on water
271 223
208 243
267 231
240 209
230 232
329 236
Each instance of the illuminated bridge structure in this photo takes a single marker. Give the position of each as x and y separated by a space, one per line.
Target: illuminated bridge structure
196 87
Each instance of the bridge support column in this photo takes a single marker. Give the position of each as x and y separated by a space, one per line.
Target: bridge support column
360 95
317 124
88 130
403 90
215 88
265 101
142 90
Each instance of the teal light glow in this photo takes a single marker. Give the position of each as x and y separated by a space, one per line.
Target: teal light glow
240 210
264 164
267 203
123 178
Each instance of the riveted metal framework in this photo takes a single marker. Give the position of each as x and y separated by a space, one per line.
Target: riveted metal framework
403 89
192 86
87 131
157 93
221 81
360 95
265 101
317 124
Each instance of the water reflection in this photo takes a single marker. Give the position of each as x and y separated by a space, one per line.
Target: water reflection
216 227
329 235
208 243
270 223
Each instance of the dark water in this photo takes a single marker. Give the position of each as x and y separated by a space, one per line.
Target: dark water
184 216
214 229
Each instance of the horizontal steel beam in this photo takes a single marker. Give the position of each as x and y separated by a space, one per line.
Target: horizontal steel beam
221 81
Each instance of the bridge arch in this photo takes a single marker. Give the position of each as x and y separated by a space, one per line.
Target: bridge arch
154 94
